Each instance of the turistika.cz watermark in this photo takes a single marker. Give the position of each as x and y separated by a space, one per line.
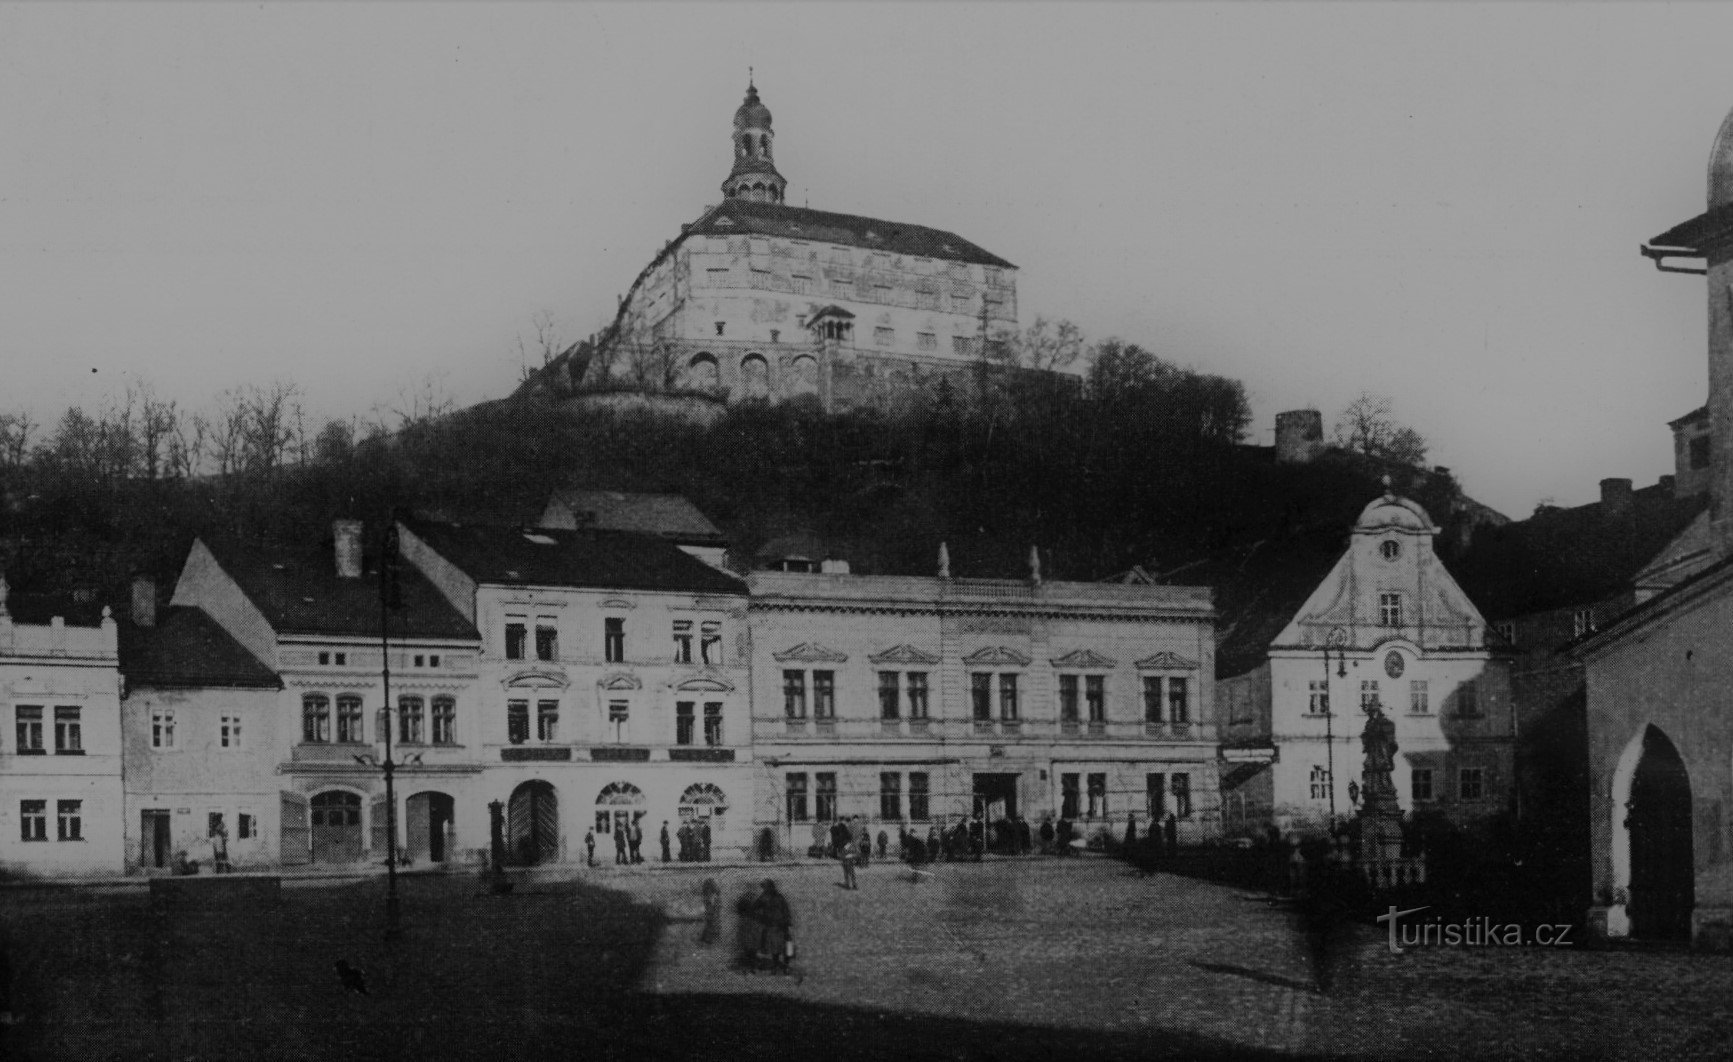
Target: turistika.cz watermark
1470 933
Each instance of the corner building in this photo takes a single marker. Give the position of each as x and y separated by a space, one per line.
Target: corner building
890 700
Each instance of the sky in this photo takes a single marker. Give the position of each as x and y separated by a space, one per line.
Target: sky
1442 204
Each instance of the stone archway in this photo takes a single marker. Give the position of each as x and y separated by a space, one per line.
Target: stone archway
1653 860
532 832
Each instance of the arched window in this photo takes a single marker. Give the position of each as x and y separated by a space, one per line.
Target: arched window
316 718
618 805
336 808
702 372
805 376
755 376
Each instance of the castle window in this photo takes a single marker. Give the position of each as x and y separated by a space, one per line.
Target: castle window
1420 783
721 327
884 337
926 341
962 346
1582 622
1700 452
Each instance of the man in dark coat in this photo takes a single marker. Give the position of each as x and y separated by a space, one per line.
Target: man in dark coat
933 844
704 840
620 831
590 846
667 855
977 837
776 923
636 840
1062 838
1172 835
1025 839
1047 836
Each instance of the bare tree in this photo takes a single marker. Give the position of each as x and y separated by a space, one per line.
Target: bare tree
157 428
418 403
273 417
15 432
653 366
543 345
1049 345
187 447
1369 426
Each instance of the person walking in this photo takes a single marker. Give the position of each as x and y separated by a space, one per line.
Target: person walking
667 856
712 894
933 845
620 831
977 837
776 927
590 847
704 840
637 841
686 842
885 841
1025 840
865 841
1172 832
1047 836
1062 838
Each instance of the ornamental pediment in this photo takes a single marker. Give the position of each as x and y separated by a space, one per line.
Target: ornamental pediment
904 654
811 653
997 655
540 678
1084 658
708 682
1167 662
620 680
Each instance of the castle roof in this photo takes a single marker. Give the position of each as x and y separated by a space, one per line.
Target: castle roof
740 217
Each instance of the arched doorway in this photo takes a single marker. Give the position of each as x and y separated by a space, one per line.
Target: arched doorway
704 807
336 826
532 830
428 826
619 806
1658 821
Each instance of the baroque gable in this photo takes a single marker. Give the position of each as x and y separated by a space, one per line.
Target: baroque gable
811 653
997 655
1165 661
1084 659
904 654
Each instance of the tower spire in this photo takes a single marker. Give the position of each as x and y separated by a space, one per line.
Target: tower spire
754 174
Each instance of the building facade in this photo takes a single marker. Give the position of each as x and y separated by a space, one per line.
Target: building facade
1388 627
914 701
60 766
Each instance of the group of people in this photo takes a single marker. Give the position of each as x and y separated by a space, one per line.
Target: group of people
694 838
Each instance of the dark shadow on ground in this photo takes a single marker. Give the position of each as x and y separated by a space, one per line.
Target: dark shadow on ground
546 972
1254 975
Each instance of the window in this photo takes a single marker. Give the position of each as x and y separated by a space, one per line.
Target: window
776 335
1318 697
1468 700
33 820
517 722
1368 694
883 336
444 721
1700 452
68 732
1068 698
410 718
1320 783
420 661
713 724
917 681
315 720
919 805
794 694
214 826
1420 783
1390 549
1008 697
246 825
30 728
324 658
888 698
71 816
619 715
342 659
1506 632
1178 705
1155 796
1390 610
613 639
1419 700
433 660
547 638
547 720
826 796
890 796
1098 796
162 728
682 641
229 732
802 284
1068 796
844 289
1469 785
1582 622
683 725
349 719
981 695
711 641
1095 695
959 304
1152 698
824 695
928 340
797 797
962 346
721 326
516 630
1182 795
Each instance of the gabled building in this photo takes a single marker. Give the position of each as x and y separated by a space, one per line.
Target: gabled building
1388 626
60 763
613 686
925 701
310 613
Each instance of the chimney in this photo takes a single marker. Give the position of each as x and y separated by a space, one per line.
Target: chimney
144 600
833 567
1616 497
347 534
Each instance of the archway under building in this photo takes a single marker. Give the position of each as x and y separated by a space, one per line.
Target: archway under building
429 824
1652 845
532 832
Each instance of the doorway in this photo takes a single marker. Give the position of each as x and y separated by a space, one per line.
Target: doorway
428 825
154 834
996 802
1663 886
533 824
336 827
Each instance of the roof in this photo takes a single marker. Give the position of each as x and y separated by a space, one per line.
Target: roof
298 590
1702 582
1563 557
1700 413
187 648
1707 230
611 560
671 516
1391 511
734 217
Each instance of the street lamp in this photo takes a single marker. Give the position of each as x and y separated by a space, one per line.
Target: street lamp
389 598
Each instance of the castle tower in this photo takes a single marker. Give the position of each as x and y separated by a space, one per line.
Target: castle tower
754 174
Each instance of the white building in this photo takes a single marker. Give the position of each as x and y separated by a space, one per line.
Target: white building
1388 626
60 765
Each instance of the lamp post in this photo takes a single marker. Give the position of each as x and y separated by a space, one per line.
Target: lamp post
389 598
